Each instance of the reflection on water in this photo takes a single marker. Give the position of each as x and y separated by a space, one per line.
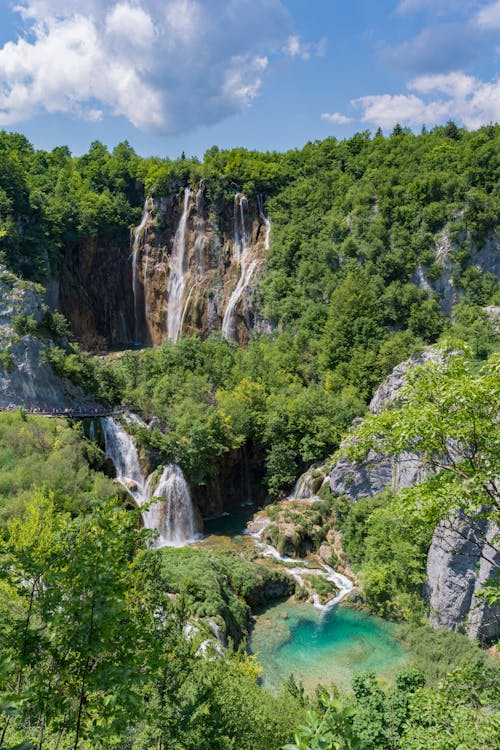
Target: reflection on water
293 638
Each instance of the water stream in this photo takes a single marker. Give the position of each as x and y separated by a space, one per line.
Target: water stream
138 290
247 270
177 279
173 515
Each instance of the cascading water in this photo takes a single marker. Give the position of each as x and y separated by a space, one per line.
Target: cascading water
173 516
342 582
137 291
267 223
177 280
240 253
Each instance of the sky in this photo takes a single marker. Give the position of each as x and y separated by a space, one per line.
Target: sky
182 75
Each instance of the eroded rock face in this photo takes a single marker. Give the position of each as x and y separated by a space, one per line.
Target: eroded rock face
461 558
460 561
25 380
119 295
487 259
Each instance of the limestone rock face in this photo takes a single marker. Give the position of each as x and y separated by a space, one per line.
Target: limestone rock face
120 295
460 561
487 259
461 558
24 379
386 392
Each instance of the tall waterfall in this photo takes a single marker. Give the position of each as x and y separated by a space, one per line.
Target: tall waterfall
137 291
177 280
172 516
240 253
267 223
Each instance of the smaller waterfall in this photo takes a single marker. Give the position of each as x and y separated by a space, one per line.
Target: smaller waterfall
343 584
173 515
137 291
236 232
247 270
267 223
177 280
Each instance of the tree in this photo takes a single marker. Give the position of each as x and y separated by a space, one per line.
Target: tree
446 414
80 623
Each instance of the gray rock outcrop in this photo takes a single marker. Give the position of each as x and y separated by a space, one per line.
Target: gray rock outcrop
486 260
460 561
462 556
25 380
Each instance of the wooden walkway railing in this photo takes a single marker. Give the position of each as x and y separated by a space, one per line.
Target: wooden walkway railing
76 412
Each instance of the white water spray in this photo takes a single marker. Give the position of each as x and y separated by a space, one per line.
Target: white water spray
343 584
267 223
240 254
177 280
136 289
173 515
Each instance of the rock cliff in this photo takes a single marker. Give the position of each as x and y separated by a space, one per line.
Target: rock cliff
189 267
460 561
461 558
25 380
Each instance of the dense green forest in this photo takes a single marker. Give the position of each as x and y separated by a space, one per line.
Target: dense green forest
93 646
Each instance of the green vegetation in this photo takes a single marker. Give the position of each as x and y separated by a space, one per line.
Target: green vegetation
220 586
92 648
36 452
460 713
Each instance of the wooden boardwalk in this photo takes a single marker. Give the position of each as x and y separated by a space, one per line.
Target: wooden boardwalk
76 412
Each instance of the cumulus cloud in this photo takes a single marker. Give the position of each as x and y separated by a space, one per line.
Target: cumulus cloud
455 96
165 65
489 17
295 47
336 117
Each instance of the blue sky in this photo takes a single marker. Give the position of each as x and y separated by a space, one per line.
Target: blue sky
182 75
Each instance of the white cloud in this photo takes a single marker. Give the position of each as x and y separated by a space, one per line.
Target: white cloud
489 17
456 85
295 47
131 24
336 117
464 99
165 65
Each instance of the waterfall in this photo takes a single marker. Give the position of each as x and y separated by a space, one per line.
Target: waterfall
236 233
240 253
344 585
136 286
177 280
172 516
267 223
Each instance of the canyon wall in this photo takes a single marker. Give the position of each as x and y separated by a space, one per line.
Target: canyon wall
462 557
189 267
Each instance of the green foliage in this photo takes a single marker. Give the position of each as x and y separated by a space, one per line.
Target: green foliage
36 451
211 397
438 652
448 412
389 555
461 713
221 586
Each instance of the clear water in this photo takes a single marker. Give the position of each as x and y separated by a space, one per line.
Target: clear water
294 638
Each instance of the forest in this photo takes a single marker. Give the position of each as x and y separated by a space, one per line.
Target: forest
93 645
